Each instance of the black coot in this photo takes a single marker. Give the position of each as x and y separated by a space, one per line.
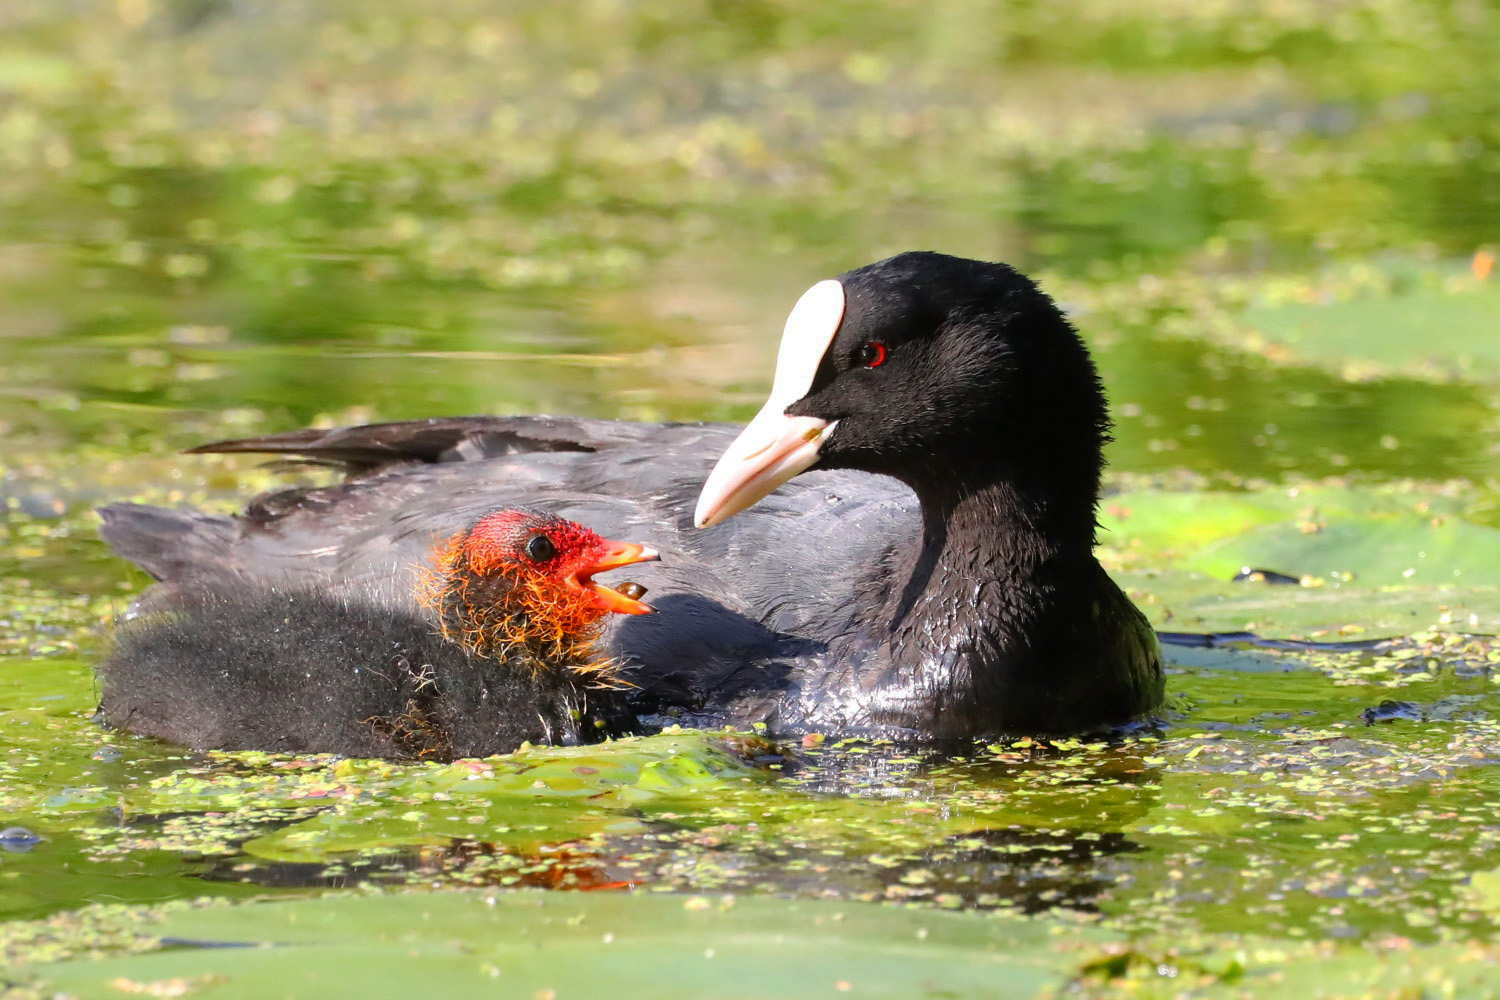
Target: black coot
929 571
500 649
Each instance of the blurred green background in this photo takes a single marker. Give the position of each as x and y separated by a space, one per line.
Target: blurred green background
398 209
1276 223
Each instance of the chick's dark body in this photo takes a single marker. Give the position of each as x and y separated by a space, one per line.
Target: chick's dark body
302 673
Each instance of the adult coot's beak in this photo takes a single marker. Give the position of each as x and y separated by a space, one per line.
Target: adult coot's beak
770 450
615 555
774 447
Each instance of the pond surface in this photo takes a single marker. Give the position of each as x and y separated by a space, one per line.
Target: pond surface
1278 230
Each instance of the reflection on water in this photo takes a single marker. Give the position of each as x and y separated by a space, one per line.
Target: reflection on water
1029 871
466 862
1179 404
983 865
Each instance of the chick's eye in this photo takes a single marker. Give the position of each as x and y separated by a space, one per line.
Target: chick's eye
871 354
539 548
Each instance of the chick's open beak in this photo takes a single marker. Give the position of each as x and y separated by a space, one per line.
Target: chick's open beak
613 556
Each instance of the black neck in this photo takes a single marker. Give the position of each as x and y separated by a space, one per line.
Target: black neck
993 574
984 549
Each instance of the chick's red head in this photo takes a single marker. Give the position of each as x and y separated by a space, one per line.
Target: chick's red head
524 580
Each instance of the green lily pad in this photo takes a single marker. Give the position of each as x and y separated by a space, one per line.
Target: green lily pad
580 945
523 800
527 944
1372 538
1193 602
1450 329
1281 970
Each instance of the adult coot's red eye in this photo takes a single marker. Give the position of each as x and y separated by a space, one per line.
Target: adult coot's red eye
871 354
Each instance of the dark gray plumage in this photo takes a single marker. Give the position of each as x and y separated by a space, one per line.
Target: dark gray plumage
299 673
933 576
468 667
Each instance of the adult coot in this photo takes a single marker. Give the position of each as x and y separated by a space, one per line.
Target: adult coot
503 651
928 573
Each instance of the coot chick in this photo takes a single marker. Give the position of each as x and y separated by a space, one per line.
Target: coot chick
504 650
928 573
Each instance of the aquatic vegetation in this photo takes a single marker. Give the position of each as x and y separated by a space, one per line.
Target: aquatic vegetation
1276 226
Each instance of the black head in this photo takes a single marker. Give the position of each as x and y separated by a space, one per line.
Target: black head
951 367
943 372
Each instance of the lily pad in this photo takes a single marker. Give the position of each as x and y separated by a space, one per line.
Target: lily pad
576 945
1337 534
1450 329
638 946
523 801
1193 602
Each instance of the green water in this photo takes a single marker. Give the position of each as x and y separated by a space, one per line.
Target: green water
1273 225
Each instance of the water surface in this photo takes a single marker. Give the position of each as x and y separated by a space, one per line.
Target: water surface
1275 228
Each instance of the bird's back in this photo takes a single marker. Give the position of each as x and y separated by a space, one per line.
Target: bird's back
742 607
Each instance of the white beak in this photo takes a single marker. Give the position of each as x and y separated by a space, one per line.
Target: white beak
774 447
